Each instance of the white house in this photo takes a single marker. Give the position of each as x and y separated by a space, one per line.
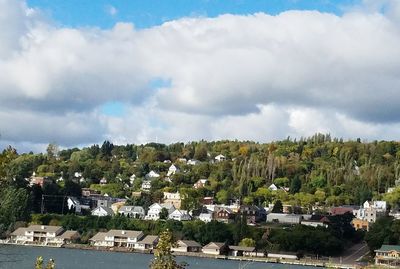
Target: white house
206 217
117 238
132 179
172 170
155 209
42 235
214 248
73 203
103 181
370 211
179 215
201 183
102 211
186 246
146 185
193 162
273 187
152 175
147 243
220 158
136 212
284 218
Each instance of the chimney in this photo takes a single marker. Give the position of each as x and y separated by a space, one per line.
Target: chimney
42 227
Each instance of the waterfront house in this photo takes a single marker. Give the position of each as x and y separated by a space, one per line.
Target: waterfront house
136 212
173 198
284 218
69 237
147 243
102 211
201 183
155 209
186 246
215 248
179 215
117 238
388 255
37 235
244 251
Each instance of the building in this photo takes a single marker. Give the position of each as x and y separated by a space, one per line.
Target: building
341 210
272 187
136 212
316 221
173 198
117 238
74 204
388 255
147 243
86 192
201 183
252 213
193 162
215 248
172 170
152 175
132 179
224 215
367 212
103 181
284 218
43 235
244 251
179 215
359 224
155 210
41 181
186 246
102 211
207 201
220 158
146 185
206 217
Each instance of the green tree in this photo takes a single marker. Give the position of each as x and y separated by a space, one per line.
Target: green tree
39 263
278 207
247 242
164 213
163 258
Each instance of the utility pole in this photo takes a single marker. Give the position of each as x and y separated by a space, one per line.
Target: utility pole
42 205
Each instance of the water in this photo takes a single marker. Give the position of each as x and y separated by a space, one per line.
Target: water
21 257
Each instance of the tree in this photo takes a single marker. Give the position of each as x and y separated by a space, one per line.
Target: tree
39 263
164 213
13 207
278 207
163 258
247 242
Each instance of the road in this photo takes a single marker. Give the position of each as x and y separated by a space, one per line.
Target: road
352 254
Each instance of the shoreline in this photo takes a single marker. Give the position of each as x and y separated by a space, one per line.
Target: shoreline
314 263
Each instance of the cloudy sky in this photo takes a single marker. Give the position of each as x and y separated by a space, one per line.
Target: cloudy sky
78 72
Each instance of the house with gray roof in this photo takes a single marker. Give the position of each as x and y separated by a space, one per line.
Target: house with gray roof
147 243
136 212
186 246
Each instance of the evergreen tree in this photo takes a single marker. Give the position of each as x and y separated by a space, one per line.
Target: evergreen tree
163 258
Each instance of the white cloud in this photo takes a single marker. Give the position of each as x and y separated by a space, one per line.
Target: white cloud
256 77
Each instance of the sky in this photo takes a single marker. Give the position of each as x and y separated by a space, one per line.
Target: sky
80 72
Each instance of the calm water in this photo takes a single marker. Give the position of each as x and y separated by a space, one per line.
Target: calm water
20 257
